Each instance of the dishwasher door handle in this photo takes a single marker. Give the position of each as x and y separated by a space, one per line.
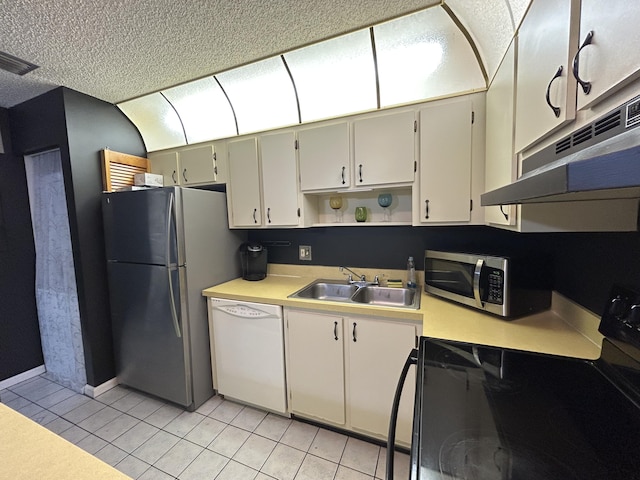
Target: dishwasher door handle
244 311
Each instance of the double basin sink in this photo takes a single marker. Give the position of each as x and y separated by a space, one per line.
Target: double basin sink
359 293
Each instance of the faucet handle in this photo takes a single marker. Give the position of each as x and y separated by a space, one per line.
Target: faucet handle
376 280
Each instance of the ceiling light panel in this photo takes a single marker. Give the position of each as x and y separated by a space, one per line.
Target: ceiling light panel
261 94
334 77
204 110
490 26
156 120
422 56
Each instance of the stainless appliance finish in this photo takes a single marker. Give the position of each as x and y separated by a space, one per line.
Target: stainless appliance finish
503 286
164 246
597 161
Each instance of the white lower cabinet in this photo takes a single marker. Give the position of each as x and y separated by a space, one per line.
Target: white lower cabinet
376 353
315 371
343 370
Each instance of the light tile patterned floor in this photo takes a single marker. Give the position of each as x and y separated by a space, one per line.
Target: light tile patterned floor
149 439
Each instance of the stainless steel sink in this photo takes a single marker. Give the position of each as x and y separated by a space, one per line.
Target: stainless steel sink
385 296
374 295
327 290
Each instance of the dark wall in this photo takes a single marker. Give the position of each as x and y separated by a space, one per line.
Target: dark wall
81 126
93 125
585 264
20 348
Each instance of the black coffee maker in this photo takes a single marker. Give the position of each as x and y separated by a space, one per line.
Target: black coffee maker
253 258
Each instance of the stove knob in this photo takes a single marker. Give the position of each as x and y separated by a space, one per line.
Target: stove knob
634 315
617 307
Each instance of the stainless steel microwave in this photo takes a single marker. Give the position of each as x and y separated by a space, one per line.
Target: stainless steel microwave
504 286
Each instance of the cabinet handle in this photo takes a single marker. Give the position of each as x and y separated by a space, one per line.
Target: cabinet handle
360 171
255 210
506 215
354 332
173 177
426 209
335 330
586 86
269 214
343 182
184 175
556 110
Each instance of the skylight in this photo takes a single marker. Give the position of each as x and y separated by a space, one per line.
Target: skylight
413 58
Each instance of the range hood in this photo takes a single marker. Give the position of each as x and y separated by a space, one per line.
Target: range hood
598 161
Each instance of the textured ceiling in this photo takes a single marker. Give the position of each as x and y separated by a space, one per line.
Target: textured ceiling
120 49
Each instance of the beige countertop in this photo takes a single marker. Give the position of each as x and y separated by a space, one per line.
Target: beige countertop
566 329
30 451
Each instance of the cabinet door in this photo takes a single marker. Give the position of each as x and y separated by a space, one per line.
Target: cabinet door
612 59
324 157
166 164
384 150
445 162
198 165
546 44
500 161
316 365
377 351
279 179
244 183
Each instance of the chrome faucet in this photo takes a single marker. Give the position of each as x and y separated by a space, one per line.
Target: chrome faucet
351 274
363 279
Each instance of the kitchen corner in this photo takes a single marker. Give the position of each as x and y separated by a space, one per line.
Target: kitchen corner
567 329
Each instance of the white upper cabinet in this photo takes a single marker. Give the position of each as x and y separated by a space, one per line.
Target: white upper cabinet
500 161
324 156
199 165
610 53
166 164
243 194
546 89
279 179
445 162
384 149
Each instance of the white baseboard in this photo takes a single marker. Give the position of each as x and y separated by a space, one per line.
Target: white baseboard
21 377
93 392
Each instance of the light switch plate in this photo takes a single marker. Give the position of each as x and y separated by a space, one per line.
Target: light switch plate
304 252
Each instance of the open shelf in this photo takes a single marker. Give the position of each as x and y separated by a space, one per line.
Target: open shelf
320 213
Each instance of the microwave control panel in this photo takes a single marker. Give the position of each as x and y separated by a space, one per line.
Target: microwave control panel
495 286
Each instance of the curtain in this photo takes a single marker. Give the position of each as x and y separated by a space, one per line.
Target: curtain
56 293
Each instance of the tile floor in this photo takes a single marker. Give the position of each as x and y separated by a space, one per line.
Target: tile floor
149 439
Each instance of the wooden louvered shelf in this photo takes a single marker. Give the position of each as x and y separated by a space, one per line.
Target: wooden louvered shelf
118 169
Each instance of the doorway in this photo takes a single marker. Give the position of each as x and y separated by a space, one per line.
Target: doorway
56 291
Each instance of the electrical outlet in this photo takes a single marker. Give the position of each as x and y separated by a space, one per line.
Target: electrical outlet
305 252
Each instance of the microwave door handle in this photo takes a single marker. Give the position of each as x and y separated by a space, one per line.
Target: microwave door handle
476 281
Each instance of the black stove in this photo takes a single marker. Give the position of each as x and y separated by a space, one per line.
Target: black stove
486 413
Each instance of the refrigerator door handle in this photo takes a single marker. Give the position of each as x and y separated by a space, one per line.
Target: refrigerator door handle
174 314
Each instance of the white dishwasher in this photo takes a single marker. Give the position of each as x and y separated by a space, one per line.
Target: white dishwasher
248 345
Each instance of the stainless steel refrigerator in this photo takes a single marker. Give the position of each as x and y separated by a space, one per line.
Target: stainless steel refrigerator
164 246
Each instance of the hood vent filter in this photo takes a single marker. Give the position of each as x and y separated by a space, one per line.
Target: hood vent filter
15 65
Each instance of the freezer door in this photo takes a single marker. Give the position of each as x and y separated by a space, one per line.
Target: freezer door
150 356
140 226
